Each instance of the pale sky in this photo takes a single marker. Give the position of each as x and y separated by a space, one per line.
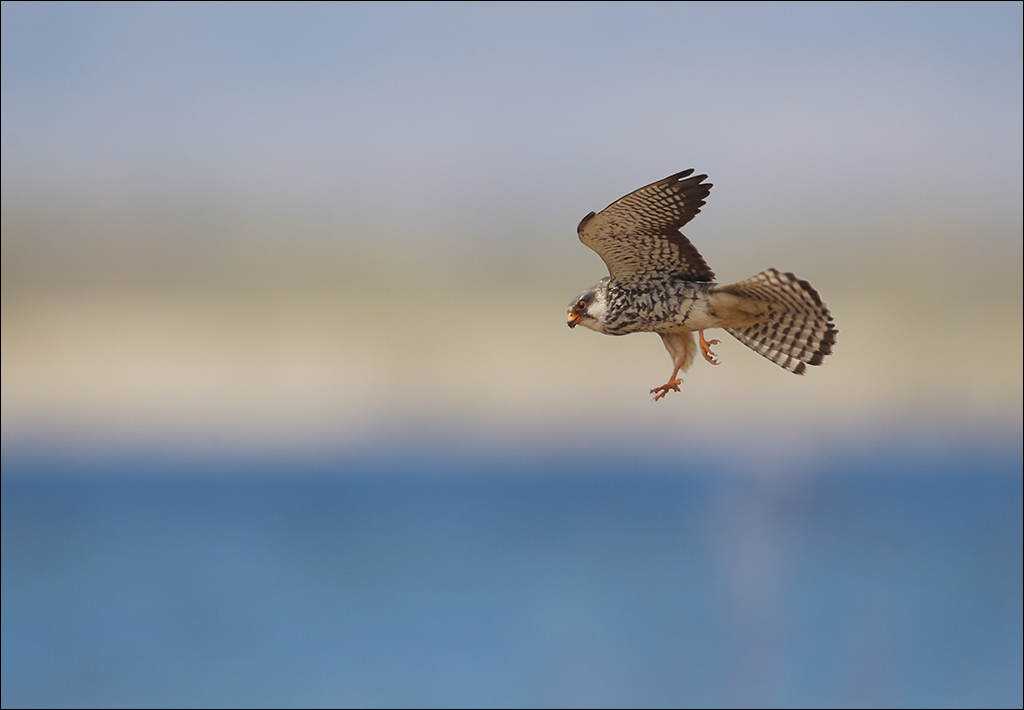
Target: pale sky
432 112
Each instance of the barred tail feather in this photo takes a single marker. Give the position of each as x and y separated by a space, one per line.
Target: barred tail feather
798 330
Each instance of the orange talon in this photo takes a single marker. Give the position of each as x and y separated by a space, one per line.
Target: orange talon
705 348
672 384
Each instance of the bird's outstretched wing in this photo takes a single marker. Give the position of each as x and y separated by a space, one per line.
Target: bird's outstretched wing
639 234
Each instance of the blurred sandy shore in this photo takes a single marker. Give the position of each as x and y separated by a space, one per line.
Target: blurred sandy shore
340 340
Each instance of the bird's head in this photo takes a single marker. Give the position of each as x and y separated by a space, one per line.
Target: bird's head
588 308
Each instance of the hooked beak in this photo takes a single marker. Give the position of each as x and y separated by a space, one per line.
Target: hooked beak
573 319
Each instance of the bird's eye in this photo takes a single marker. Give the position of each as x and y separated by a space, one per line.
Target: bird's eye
580 306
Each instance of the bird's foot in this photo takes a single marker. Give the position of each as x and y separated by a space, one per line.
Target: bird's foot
705 349
672 384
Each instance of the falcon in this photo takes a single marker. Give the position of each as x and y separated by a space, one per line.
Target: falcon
658 282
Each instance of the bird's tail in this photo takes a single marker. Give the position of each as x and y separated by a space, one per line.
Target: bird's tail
797 329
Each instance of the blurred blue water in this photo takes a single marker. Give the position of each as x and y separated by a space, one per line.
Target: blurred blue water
876 579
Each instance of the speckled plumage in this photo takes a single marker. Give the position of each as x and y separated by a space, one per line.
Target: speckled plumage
658 282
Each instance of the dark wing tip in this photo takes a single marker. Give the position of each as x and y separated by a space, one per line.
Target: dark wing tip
695 180
682 174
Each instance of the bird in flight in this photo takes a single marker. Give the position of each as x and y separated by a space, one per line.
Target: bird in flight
658 282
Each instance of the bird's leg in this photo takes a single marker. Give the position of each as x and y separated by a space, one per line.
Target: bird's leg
672 384
705 348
